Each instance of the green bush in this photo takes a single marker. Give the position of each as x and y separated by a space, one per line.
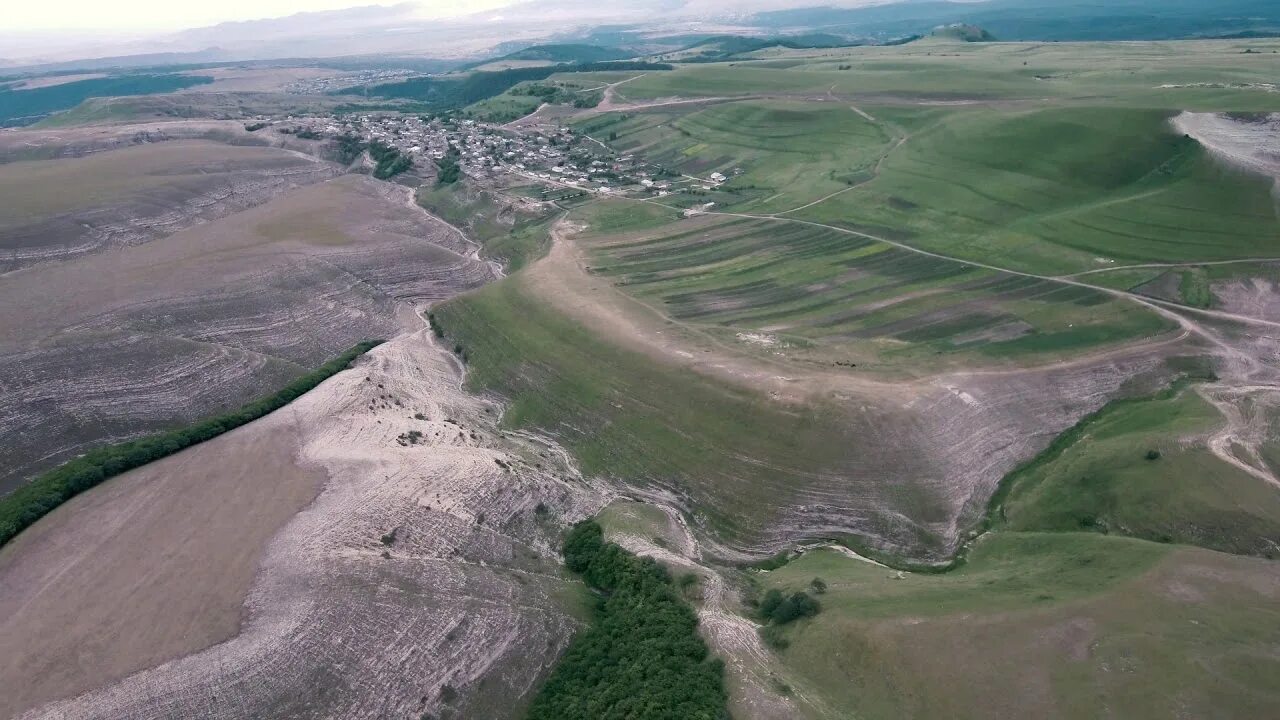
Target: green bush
642 658
774 637
347 148
389 160
798 605
779 608
32 501
436 328
449 169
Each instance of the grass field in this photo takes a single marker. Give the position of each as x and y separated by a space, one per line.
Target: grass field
507 231
1089 598
1039 625
1063 190
1206 75
777 154
503 108
1044 158
738 458
1106 482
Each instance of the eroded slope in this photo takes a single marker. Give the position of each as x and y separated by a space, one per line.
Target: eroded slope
421 566
210 316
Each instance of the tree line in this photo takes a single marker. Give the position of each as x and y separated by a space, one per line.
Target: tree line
29 503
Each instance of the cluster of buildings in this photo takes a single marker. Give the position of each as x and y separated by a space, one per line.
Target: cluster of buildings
331 83
557 156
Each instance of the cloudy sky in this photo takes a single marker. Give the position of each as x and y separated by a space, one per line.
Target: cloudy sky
151 15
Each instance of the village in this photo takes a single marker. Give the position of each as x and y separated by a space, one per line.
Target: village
554 155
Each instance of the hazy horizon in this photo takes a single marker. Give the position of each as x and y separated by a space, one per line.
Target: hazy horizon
133 17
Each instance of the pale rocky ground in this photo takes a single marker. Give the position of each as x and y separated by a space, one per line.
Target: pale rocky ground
471 595
1252 145
206 318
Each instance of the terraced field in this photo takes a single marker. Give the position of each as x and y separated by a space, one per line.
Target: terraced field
819 291
758 447
58 209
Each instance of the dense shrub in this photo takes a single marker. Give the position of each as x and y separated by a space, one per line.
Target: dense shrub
780 609
436 328
774 637
642 658
390 161
347 148
797 605
449 169
29 503
777 609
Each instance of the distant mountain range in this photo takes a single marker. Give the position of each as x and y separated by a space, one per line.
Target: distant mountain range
402 30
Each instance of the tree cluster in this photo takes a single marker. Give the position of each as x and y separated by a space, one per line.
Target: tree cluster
449 171
642 658
347 148
780 609
389 160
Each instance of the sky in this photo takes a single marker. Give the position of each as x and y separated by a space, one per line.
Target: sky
150 15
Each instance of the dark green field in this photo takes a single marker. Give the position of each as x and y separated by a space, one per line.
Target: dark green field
23 107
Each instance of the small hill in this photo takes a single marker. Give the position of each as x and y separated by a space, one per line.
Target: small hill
962 32
725 47
565 53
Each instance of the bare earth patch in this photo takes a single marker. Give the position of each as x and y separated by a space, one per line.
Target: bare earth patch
419 566
211 316
151 566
